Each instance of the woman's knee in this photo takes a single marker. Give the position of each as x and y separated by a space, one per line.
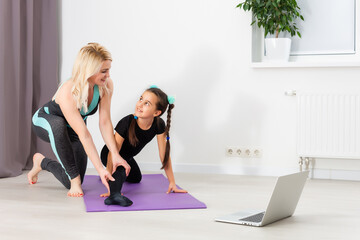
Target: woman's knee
58 125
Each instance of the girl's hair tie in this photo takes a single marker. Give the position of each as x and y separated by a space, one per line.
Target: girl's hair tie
167 138
135 117
153 86
171 99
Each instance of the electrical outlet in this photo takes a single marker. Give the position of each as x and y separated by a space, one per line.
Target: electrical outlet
230 151
243 152
247 152
257 153
239 152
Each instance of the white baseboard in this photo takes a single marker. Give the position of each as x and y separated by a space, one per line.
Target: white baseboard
333 174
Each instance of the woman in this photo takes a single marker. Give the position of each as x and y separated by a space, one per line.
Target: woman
62 122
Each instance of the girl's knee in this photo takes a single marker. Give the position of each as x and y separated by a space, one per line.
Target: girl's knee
134 179
138 179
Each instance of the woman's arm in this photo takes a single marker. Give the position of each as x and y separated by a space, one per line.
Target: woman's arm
161 139
71 113
107 130
119 141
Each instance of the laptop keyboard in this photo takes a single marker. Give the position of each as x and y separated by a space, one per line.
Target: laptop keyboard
254 218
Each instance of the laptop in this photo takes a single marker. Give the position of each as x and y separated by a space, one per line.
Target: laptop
282 204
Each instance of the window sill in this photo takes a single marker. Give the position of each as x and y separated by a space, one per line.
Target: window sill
299 64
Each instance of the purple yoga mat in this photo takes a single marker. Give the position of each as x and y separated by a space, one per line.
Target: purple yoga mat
149 194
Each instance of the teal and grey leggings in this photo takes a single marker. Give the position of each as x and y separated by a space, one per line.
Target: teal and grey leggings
65 143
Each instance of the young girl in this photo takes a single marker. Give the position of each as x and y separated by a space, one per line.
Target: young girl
132 133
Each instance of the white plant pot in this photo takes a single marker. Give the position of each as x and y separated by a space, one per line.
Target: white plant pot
277 49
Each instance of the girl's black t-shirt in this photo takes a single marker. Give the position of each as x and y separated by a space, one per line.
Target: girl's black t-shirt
128 151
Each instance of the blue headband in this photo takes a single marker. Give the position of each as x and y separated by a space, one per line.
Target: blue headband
171 99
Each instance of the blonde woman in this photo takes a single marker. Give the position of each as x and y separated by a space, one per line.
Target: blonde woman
62 122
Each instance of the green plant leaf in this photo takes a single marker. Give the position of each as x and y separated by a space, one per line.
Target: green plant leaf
274 15
246 7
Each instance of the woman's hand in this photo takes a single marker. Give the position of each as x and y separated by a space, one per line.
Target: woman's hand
119 161
173 188
105 176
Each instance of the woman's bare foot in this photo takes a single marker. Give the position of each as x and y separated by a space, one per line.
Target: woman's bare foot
33 174
75 189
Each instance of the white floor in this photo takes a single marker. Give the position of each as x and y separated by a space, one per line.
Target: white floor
327 210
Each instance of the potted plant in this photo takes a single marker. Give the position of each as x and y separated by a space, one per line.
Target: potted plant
275 16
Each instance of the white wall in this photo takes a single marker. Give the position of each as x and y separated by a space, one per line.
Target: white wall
200 51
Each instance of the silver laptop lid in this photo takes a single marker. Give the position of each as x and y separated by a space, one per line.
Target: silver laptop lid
285 197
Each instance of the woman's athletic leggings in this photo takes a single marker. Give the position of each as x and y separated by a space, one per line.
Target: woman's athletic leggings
134 176
65 143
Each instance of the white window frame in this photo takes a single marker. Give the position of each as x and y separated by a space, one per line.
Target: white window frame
336 60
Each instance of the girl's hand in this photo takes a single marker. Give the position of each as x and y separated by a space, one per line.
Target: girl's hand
105 194
108 194
173 188
119 161
105 176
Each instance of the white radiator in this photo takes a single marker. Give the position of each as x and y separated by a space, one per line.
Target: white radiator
328 125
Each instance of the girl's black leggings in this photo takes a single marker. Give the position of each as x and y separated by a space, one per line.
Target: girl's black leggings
134 176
